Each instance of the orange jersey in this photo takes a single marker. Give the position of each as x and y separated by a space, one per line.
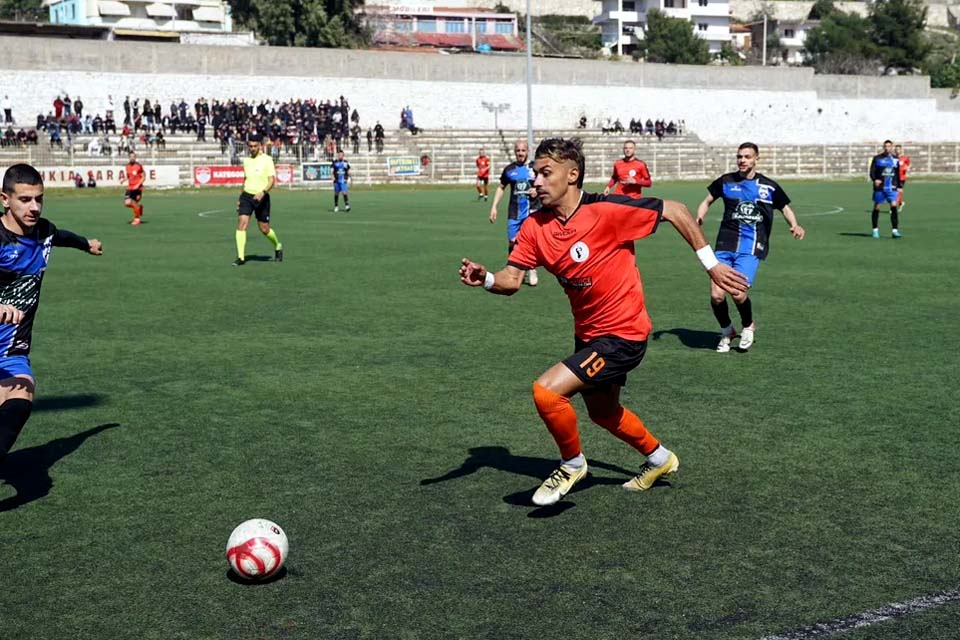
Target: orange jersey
592 255
904 167
629 177
483 167
135 175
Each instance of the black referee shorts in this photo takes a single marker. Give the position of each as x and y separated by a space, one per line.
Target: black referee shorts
605 361
247 205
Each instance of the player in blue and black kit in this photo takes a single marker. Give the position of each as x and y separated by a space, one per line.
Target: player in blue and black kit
519 176
341 181
26 240
885 174
749 199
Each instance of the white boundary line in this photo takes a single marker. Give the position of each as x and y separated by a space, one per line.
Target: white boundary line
207 214
867 618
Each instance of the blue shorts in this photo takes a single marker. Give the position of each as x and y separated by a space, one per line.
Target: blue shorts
12 366
891 196
339 187
513 228
745 263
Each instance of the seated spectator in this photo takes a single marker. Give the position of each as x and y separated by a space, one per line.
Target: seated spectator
31 137
582 124
672 128
94 147
55 138
161 141
78 180
649 127
91 180
9 137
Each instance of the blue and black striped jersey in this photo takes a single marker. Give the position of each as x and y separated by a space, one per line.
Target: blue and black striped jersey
748 207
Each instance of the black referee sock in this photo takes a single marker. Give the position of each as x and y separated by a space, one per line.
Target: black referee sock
875 216
746 312
336 200
722 313
894 217
13 415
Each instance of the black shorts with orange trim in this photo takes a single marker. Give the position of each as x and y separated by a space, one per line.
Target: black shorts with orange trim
133 194
605 361
483 179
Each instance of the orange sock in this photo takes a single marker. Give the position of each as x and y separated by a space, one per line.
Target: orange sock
137 211
625 424
561 419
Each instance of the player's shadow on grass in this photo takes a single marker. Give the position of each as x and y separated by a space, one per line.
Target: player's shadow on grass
28 470
259 258
61 403
501 459
691 338
857 234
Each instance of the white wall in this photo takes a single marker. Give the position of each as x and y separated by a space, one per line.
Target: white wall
717 116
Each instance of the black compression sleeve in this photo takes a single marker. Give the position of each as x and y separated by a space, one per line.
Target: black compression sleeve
64 238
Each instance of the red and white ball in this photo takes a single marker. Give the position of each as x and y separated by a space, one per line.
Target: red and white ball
257 549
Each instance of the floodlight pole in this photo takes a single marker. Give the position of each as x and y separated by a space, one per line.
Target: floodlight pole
529 84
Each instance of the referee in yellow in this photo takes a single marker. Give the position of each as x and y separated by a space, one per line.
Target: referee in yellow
259 176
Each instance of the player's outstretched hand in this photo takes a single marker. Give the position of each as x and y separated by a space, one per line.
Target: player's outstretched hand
10 314
728 279
700 220
493 215
472 274
798 232
96 247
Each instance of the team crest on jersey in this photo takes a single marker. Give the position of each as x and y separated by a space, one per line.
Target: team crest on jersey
747 213
763 193
632 173
579 252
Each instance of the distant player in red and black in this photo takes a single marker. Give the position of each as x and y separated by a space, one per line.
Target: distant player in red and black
483 175
630 174
587 241
904 162
134 176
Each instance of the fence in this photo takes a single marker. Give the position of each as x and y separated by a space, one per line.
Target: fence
449 158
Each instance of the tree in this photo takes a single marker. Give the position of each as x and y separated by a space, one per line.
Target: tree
302 23
31 10
943 62
897 31
842 43
671 40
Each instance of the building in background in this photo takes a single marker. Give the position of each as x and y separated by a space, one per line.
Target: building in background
197 21
623 22
424 24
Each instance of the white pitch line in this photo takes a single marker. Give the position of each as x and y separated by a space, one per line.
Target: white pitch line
868 618
206 214
831 212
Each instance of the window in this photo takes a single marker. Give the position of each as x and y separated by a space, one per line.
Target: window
703 3
403 26
701 26
789 33
482 26
675 4
427 25
454 26
629 5
505 28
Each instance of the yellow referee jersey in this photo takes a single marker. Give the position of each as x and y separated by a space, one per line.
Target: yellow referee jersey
257 173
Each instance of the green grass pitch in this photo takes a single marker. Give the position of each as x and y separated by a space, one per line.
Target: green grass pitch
381 413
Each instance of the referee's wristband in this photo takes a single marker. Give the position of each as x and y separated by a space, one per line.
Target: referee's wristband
489 281
707 258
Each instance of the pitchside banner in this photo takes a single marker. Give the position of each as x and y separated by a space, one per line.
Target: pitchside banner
403 166
316 172
219 175
109 176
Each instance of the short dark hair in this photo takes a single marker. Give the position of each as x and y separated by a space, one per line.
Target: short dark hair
20 174
255 137
888 142
630 142
560 150
749 145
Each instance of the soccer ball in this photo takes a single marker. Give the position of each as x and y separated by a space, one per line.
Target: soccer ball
257 549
